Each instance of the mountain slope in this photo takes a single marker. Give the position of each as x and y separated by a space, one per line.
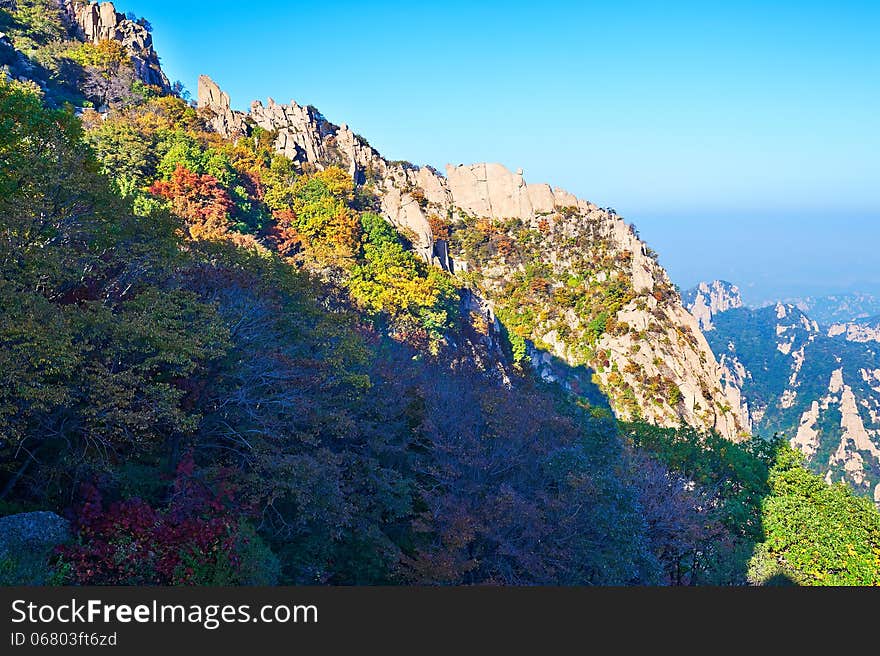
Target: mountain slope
821 390
227 368
578 294
77 52
234 355
99 22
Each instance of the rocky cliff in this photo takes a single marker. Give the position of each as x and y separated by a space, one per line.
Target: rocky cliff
708 299
214 102
581 297
100 22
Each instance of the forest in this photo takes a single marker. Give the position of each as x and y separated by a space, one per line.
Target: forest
225 369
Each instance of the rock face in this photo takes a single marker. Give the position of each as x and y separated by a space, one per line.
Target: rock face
655 337
862 331
31 530
100 21
212 96
708 299
819 388
215 102
491 190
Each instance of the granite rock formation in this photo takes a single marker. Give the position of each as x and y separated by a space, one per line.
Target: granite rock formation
862 330
215 103
100 21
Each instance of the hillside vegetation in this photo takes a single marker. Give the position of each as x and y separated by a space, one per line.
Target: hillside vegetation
226 368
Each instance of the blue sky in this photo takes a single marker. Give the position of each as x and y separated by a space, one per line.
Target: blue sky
742 138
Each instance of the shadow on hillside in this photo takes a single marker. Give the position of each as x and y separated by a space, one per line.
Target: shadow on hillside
577 380
704 500
701 496
59 85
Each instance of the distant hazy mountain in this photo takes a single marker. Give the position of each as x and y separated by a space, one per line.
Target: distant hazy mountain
838 308
196 300
861 330
819 387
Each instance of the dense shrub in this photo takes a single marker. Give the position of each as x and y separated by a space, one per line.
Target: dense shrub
816 534
731 480
196 540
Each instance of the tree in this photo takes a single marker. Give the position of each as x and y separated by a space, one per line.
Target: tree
271 176
35 23
718 487
329 228
108 73
95 365
53 208
816 534
127 154
200 200
181 147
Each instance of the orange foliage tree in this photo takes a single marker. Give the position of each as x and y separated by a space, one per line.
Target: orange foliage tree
321 215
440 228
198 199
283 235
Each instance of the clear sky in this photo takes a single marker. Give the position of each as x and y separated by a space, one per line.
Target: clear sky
742 138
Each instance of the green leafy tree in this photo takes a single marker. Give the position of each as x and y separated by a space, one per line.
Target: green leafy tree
98 359
817 534
323 219
126 153
180 148
733 478
59 219
33 23
393 283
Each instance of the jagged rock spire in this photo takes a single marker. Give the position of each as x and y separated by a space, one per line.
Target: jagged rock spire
223 119
100 21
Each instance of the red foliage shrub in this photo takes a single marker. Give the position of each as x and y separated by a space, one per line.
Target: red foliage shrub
194 541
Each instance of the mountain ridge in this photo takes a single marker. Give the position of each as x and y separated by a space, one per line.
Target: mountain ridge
838 308
440 213
708 299
569 285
